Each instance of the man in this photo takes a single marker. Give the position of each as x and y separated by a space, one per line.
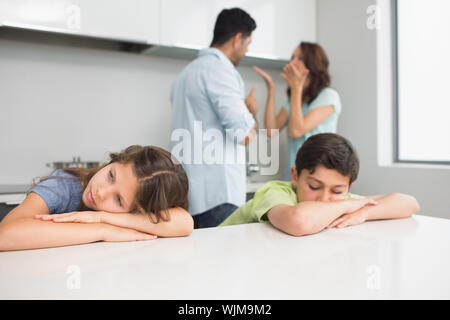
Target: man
209 103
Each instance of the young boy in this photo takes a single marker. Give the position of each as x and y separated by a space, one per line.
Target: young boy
317 196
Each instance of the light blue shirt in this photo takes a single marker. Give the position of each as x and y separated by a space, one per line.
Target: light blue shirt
326 97
208 101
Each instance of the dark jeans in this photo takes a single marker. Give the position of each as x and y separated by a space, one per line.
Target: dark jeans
213 217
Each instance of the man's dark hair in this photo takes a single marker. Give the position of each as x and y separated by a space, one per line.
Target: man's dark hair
229 23
330 150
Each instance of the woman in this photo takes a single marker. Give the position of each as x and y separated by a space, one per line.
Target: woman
139 195
312 106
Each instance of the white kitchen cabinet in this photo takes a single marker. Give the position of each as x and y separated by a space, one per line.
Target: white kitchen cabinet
131 20
281 24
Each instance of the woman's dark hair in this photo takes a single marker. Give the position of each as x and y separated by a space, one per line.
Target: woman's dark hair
316 61
229 23
331 151
162 182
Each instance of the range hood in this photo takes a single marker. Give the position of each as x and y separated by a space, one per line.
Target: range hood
72 38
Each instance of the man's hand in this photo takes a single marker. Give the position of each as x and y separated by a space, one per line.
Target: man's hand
251 102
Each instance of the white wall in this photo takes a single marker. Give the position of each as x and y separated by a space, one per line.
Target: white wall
57 102
352 49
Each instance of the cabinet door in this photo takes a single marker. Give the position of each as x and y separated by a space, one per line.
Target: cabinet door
281 24
187 24
133 20
121 19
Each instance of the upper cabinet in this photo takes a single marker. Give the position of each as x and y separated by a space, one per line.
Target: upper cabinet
130 20
281 24
172 27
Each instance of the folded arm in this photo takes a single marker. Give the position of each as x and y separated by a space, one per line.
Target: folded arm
390 206
309 217
20 231
180 223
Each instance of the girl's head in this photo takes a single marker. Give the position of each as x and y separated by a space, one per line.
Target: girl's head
138 180
325 168
313 57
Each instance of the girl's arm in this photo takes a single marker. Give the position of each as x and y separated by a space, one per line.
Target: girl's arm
20 231
308 217
391 206
180 223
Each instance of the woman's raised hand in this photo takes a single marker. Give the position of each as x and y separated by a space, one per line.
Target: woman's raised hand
295 74
267 78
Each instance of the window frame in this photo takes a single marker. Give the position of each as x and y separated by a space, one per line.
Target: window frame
396 117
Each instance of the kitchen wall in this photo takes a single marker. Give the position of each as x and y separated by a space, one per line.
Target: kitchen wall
59 101
352 49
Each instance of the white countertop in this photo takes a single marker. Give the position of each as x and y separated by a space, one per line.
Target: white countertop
391 259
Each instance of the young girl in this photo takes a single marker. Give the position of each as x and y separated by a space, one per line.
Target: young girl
139 195
312 106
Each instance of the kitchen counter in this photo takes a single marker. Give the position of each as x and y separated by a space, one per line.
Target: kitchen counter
390 259
13 193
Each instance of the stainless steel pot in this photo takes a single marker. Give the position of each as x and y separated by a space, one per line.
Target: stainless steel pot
75 163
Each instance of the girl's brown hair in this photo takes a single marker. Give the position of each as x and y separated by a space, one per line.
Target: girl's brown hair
162 181
316 61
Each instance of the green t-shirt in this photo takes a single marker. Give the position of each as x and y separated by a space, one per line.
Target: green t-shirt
268 196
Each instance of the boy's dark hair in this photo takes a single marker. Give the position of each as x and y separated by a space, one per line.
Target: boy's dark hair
229 23
330 150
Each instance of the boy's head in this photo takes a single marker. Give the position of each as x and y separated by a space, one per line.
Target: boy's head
325 168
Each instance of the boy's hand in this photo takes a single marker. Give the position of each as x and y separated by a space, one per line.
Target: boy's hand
355 213
76 216
349 219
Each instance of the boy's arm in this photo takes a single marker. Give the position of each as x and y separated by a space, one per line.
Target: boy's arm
308 217
180 223
390 206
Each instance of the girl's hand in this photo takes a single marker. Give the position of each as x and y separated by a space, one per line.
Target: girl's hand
295 74
76 216
118 234
110 233
267 79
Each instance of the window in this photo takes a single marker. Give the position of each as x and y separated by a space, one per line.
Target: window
423 81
